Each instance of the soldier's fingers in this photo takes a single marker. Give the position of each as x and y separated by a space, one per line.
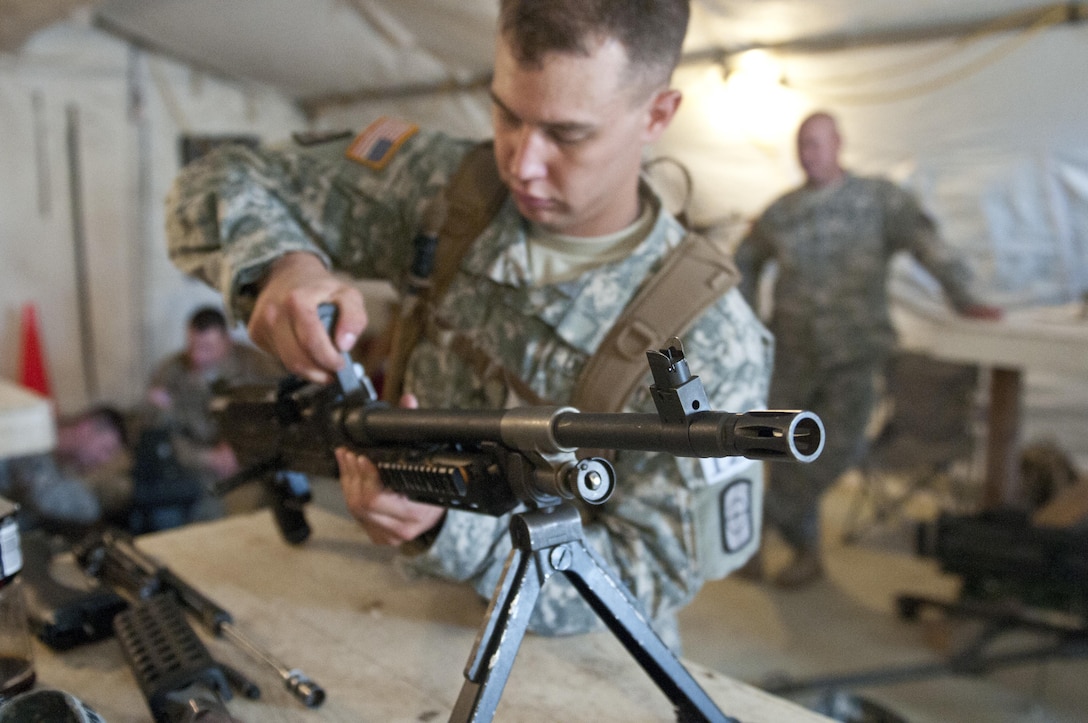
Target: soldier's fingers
314 352
351 317
359 481
393 507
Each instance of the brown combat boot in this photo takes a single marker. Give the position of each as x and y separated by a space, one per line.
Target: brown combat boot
806 568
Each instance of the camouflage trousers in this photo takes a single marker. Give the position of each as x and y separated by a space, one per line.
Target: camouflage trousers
844 398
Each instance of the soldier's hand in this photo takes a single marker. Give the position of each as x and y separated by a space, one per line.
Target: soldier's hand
221 460
387 517
285 321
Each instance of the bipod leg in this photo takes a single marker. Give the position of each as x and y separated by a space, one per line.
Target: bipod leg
500 636
545 542
615 606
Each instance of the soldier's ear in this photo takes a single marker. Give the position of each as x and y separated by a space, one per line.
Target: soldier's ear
660 112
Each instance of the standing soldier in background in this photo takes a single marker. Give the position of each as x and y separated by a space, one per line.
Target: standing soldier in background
833 239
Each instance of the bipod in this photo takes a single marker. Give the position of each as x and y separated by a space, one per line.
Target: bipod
546 541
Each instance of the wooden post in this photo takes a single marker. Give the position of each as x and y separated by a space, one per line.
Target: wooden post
1003 446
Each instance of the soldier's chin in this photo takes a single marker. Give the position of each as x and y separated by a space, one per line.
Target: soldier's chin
535 209
548 219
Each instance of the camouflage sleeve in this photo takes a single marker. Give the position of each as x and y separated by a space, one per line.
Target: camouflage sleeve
911 229
164 374
38 484
233 212
647 533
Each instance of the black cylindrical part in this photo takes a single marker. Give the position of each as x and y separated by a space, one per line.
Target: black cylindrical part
375 425
756 435
769 434
761 434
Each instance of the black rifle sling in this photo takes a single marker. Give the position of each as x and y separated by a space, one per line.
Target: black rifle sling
693 276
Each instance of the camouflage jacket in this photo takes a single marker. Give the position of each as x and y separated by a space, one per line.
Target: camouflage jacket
833 247
47 492
192 427
231 214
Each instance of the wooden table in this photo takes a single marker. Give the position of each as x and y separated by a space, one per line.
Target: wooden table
1052 340
383 646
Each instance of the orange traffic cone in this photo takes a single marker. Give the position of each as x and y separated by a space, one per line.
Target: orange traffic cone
33 374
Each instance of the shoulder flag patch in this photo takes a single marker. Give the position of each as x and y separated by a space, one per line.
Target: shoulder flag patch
376 145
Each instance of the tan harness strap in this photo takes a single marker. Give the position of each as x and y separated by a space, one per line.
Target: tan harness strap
695 274
474 195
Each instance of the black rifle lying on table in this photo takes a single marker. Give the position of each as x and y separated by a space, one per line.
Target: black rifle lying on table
492 462
113 557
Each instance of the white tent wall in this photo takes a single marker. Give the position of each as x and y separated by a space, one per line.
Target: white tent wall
125 109
997 154
989 133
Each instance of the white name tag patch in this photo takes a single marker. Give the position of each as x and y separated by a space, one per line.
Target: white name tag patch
737 520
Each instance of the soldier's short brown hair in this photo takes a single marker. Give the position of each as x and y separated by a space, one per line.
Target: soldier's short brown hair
651 31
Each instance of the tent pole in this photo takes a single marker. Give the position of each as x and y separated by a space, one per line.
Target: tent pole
79 244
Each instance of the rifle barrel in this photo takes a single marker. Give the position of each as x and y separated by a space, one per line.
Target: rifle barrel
760 434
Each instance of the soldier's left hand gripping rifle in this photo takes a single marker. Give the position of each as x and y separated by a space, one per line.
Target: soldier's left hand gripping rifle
485 461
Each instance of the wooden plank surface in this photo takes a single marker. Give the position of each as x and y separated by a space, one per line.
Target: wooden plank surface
384 646
1047 340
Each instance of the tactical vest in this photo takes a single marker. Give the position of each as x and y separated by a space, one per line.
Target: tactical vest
693 276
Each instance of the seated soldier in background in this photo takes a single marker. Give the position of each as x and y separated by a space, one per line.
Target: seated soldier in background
71 486
179 456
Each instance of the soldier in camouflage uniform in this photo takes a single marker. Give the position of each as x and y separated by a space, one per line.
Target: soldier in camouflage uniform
833 239
535 294
72 485
181 388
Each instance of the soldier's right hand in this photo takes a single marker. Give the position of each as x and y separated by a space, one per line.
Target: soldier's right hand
285 322
387 517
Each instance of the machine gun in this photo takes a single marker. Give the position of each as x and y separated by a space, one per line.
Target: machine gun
1000 555
485 461
1015 577
492 462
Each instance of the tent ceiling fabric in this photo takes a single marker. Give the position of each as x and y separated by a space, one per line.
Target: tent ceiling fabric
314 50
738 23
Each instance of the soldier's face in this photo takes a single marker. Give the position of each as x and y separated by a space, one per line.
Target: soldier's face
569 136
207 348
818 146
98 444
